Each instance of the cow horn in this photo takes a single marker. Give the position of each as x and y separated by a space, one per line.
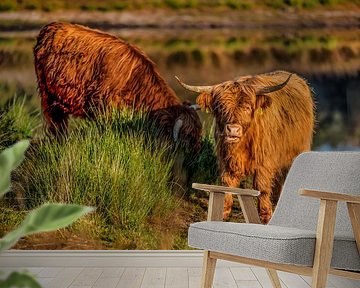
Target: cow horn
176 130
195 107
197 89
270 89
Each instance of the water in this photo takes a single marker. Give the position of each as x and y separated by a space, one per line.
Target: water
328 59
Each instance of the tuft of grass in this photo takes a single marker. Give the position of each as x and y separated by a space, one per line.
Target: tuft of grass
17 122
114 164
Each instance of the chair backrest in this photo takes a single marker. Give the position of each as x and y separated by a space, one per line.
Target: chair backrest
324 171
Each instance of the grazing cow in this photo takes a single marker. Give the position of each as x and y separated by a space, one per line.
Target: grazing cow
262 123
79 69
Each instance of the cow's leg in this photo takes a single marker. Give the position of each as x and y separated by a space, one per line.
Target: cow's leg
55 117
230 180
263 183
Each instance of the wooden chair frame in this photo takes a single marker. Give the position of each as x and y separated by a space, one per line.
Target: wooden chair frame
324 235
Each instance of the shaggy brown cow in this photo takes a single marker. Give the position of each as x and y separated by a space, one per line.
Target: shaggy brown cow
79 69
262 123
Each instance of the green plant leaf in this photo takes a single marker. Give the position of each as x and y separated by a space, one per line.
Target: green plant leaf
47 217
10 158
19 279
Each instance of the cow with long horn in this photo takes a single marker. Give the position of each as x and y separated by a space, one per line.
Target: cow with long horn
262 123
79 69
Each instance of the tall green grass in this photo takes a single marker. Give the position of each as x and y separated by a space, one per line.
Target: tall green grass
121 164
17 122
113 164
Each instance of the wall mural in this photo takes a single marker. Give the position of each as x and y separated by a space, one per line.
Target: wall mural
110 126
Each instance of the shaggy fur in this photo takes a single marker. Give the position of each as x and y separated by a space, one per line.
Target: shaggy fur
275 127
79 69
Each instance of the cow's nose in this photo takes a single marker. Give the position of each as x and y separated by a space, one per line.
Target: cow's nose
233 129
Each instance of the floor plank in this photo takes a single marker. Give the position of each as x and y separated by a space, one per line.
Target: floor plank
224 278
243 274
308 280
194 277
177 278
339 282
65 277
248 284
35 270
50 272
154 278
293 280
44 282
87 277
132 277
263 278
108 282
112 272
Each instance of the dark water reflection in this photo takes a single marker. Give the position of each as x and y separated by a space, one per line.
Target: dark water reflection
328 59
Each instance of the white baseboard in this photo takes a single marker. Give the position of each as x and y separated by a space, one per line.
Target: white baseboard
105 258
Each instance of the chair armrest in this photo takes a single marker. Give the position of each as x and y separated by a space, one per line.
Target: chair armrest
323 195
223 189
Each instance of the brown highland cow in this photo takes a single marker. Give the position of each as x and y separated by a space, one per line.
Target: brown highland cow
79 69
262 123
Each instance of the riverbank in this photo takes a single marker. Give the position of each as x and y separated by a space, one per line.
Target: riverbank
186 18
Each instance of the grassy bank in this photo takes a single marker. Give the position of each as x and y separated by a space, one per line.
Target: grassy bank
109 5
119 164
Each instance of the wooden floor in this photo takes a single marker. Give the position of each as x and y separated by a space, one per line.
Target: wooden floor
155 272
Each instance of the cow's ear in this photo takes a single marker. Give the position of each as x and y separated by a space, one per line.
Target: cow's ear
263 101
204 100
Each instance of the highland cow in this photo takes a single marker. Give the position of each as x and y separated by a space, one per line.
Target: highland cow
262 123
79 69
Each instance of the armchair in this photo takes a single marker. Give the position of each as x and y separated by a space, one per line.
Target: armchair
312 232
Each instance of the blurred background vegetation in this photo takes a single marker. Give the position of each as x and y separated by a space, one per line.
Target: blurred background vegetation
108 5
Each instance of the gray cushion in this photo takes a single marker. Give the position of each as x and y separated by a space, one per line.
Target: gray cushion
290 235
270 243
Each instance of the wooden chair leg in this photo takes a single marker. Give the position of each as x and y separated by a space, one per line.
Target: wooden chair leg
208 270
324 243
274 278
354 212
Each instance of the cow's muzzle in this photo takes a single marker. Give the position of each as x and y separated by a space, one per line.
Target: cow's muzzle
232 132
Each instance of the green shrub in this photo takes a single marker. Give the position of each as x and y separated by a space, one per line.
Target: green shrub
178 4
120 6
103 8
7 5
233 4
49 7
31 5
177 58
88 7
198 56
275 3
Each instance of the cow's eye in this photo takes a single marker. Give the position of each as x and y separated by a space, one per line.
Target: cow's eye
247 108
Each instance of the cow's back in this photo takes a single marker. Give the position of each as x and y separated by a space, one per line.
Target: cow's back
78 67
